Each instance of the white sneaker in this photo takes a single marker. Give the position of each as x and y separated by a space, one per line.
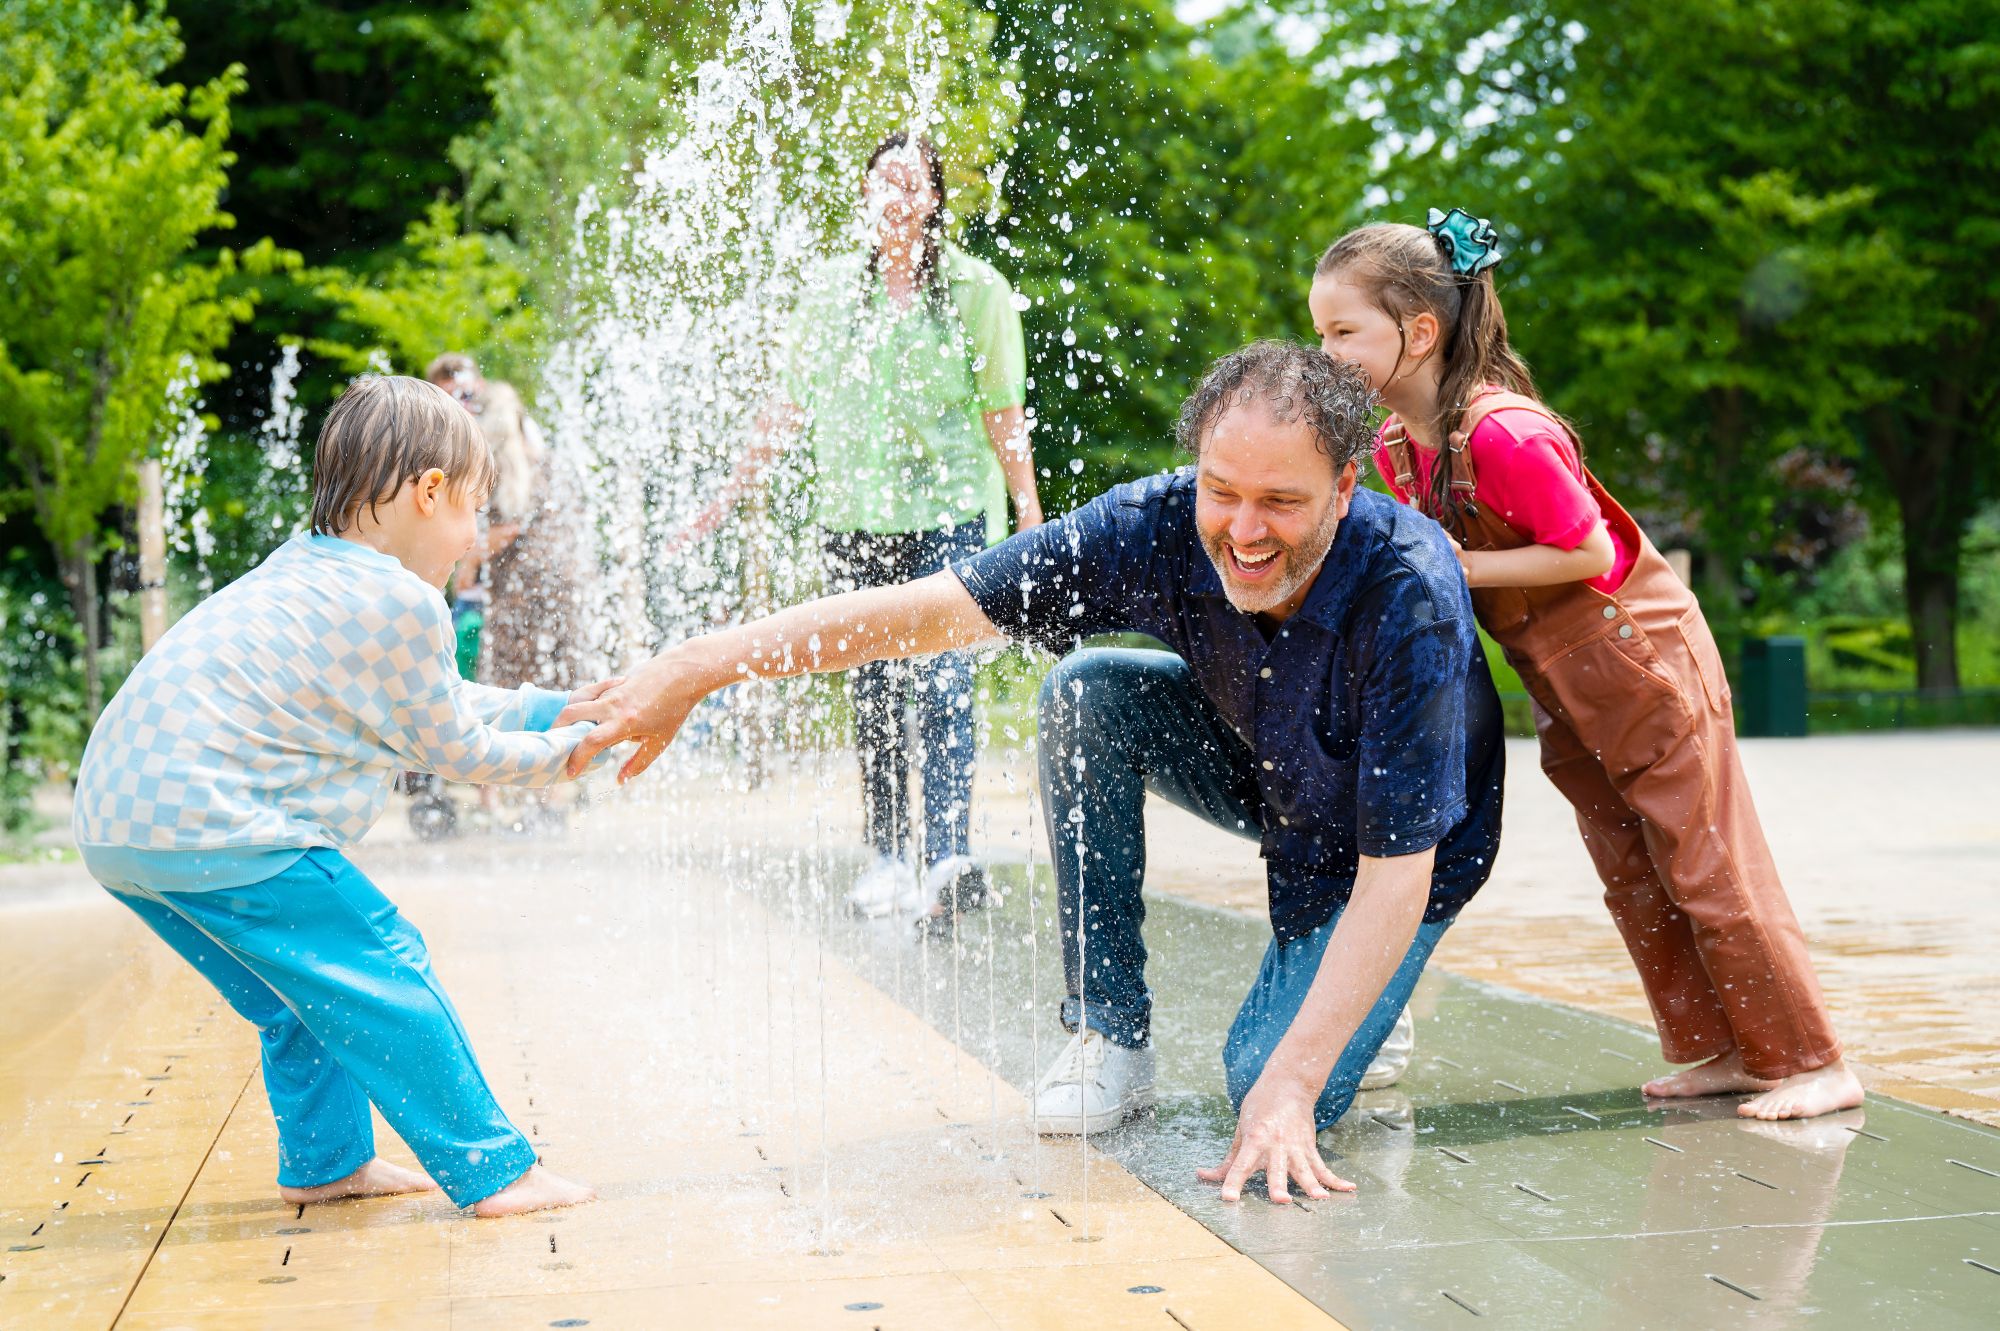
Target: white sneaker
966 883
1393 1058
1093 1085
888 885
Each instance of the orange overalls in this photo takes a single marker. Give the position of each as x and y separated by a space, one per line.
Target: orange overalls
1633 713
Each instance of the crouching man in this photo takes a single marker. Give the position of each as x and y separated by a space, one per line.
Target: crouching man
1324 694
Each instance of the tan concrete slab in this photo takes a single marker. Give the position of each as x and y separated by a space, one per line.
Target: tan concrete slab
662 1038
115 1075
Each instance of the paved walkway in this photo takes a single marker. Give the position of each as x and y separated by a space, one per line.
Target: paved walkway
659 1029
777 1143
1890 846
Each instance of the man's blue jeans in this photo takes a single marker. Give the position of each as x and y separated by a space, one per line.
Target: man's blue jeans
942 688
1116 723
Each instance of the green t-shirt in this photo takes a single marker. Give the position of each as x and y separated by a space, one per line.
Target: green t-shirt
894 399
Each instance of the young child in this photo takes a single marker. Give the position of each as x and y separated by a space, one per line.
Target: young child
259 739
1631 704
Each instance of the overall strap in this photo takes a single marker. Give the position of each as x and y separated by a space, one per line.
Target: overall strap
1495 399
1402 456
1397 440
1500 400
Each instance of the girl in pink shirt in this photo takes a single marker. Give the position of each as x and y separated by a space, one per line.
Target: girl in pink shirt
1631 705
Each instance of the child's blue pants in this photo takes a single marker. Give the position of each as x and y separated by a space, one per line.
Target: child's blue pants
339 986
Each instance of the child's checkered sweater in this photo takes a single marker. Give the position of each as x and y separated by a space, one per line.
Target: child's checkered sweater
275 716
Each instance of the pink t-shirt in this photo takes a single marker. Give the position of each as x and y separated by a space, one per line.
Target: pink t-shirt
1529 474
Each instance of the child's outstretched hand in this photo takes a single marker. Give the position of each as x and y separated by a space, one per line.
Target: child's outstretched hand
592 692
1464 558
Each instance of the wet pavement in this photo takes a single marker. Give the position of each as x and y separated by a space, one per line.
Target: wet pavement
1515 1176
775 1142
1890 848
662 959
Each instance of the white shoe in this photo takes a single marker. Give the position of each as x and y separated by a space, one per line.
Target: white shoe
1093 1085
1393 1058
886 886
963 879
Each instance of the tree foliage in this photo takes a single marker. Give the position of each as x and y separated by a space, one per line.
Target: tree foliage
1739 230
439 291
346 114
107 179
1168 196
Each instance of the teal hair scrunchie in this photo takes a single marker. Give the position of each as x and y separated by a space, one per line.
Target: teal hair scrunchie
1471 245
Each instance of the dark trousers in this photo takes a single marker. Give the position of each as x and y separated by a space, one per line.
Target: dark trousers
939 688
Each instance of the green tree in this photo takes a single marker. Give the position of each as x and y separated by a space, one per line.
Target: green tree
107 177
1169 194
348 108
577 88
438 291
342 134
1739 229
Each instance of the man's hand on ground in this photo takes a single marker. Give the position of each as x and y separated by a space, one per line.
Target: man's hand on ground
1275 1133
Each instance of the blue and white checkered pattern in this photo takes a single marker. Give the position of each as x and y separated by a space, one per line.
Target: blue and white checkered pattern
279 711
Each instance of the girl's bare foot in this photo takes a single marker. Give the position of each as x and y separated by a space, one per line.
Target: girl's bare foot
536 1190
1807 1094
377 1178
1721 1075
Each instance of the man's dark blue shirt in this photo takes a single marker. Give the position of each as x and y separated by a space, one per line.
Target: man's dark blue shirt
1370 712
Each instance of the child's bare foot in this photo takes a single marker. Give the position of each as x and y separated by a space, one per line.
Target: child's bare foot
1807 1094
377 1178
1829 1134
1722 1075
536 1190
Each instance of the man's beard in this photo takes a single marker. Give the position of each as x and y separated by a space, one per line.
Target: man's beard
1296 566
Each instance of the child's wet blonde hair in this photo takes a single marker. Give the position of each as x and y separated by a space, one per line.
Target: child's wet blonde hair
385 431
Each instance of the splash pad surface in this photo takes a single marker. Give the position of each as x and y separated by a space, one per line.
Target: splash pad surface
663 1040
653 1016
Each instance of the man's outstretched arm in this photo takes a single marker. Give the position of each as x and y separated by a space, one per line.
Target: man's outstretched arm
933 614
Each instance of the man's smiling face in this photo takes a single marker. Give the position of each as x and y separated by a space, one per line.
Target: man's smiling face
1267 503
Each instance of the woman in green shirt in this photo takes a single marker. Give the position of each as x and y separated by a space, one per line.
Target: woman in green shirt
908 375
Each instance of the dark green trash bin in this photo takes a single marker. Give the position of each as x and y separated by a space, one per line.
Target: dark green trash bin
1772 699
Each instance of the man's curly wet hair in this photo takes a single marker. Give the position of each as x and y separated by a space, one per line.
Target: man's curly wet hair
1292 383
